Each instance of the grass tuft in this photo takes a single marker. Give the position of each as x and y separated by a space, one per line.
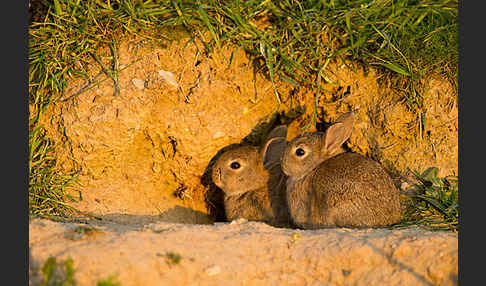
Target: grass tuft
294 40
171 258
435 202
110 281
55 273
47 184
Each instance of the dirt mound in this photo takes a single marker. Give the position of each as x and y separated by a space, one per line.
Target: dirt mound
147 149
243 253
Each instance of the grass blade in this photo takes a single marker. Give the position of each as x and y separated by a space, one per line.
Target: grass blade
205 19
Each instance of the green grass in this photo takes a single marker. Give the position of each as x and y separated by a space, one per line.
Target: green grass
58 274
404 39
110 281
171 258
294 41
435 204
54 273
47 184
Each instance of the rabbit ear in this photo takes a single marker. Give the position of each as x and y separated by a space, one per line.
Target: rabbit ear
339 132
274 146
347 118
279 131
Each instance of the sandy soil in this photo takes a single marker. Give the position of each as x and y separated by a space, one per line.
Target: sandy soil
138 251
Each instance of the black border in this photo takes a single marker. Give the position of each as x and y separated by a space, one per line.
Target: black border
470 79
15 76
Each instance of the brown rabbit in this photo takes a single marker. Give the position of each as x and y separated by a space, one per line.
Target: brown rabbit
327 186
253 182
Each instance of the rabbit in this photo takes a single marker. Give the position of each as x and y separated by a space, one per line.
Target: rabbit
329 187
253 182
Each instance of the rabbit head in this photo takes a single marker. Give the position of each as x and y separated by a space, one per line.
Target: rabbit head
247 168
307 151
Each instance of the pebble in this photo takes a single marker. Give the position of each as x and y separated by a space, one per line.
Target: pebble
138 83
169 77
239 221
213 270
218 134
406 187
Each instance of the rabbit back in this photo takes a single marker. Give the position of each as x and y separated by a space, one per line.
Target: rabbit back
346 190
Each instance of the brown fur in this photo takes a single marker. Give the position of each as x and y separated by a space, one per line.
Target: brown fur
331 198
256 190
327 187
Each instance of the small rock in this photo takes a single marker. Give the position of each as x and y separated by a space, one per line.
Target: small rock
239 221
213 270
138 83
218 134
405 186
169 78
409 189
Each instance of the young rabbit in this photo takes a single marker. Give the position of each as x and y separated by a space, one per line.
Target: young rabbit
327 186
253 182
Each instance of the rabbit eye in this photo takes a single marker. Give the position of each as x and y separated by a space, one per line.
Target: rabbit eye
300 152
235 165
